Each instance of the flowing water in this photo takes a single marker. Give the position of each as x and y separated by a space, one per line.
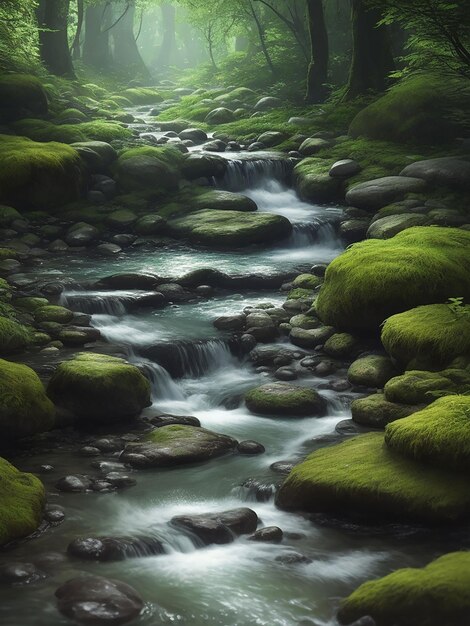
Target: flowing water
243 583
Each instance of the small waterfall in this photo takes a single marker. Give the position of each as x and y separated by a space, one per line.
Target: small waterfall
315 232
162 385
245 174
99 302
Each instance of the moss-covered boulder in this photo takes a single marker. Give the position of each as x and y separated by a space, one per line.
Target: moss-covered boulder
285 400
37 175
53 313
148 168
177 445
20 95
221 229
13 336
431 596
141 95
375 194
30 304
374 279
362 477
391 225
438 435
24 407
97 130
8 215
313 182
22 500
433 335
376 411
203 166
422 387
225 201
99 389
306 281
342 346
372 370
416 110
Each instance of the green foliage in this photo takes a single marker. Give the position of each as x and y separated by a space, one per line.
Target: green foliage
363 477
98 130
438 435
22 501
431 596
18 36
141 95
21 94
374 279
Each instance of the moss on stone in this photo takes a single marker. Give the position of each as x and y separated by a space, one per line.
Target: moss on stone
13 336
24 407
52 313
435 334
30 304
35 175
438 435
300 293
97 130
8 215
71 113
21 94
341 346
149 168
307 281
363 477
431 596
283 399
377 278
313 181
22 500
141 95
372 370
99 389
422 387
376 411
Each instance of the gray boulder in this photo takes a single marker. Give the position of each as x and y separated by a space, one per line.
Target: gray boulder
375 194
389 226
444 171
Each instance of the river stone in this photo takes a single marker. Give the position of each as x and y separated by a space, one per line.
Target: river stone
81 234
216 145
221 115
203 166
19 573
373 370
108 249
225 201
354 230
285 400
389 226
267 355
445 171
114 548
250 447
74 483
197 135
345 168
271 138
269 534
142 171
230 322
267 103
132 281
176 445
312 145
376 412
375 194
97 600
218 528
310 338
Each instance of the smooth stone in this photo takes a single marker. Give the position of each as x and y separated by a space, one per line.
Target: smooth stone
114 548
345 168
269 534
218 528
20 573
74 484
250 447
375 194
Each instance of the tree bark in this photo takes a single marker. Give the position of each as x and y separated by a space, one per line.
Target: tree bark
262 38
54 45
168 47
372 59
317 75
76 48
96 51
126 53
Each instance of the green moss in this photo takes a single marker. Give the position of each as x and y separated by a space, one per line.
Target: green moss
149 168
438 435
376 412
222 229
97 130
141 95
170 434
38 174
99 389
8 215
300 293
377 278
169 155
6 253
432 596
435 334
414 110
307 281
363 477
371 371
421 387
22 501
341 345
71 113
30 303
13 336
24 407
21 94
285 400
313 182
52 313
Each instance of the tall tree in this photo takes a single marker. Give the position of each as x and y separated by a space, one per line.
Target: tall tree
76 47
96 50
372 59
54 46
168 46
126 53
317 76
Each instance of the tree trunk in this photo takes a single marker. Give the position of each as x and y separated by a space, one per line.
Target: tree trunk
168 47
126 53
317 76
262 38
76 48
96 52
54 45
372 59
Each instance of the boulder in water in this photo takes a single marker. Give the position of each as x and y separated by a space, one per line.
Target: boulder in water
283 399
114 548
203 166
225 201
377 193
218 528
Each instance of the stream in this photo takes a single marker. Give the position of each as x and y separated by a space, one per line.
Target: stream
244 583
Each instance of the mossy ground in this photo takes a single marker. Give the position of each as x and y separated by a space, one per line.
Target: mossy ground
22 500
438 435
435 334
432 596
13 336
97 130
422 387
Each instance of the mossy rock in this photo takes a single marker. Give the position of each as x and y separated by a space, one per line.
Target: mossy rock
22 501
362 477
435 595
374 279
222 229
372 370
416 110
34 175
313 182
300 293
97 130
121 220
8 215
24 407
149 225
341 346
141 95
148 168
307 281
7 253
52 313
30 304
71 114
225 201
20 95
438 435
283 399
177 445
99 389
376 411
434 334
422 387
13 336
304 321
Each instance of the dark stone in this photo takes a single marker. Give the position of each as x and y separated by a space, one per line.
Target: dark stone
271 534
286 374
230 322
218 528
74 483
293 558
120 480
114 548
282 467
250 447
20 573
168 420
262 492
54 515
134 281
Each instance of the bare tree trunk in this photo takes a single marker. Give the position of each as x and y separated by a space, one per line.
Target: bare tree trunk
317 76
76 48
262 38
96 51
54 45
126 53
168 47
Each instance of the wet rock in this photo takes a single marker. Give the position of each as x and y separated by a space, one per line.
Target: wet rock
174 292
269 534
354 230
114 548
120 480
267 355
168 420
218 528
444 171
271 138
193 134
255 146
293 558
285 374
282 467
217 145
89 451
220 116
74 483
109 444
20 573
108 466
230 322
98 600
247 343
267 103
81 234
312 145
108 249
54 514
258 490
348 428
345 168
286 400
250 447
375 194
310 338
